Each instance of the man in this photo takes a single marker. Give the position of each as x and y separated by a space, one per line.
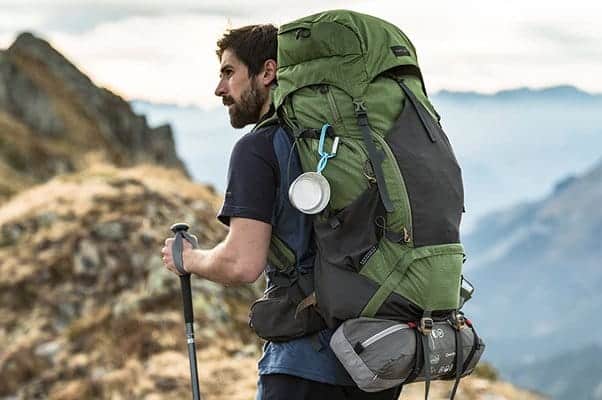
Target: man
302 368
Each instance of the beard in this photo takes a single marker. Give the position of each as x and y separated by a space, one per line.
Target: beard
248 109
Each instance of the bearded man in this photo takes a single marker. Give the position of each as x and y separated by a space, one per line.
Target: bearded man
257 210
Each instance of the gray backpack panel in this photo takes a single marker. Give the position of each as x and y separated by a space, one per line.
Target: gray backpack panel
381 354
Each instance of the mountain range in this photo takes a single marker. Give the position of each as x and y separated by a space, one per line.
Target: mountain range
516 144
537 270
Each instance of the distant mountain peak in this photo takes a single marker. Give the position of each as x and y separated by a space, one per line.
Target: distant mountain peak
561 92
26 38
60 117
33 45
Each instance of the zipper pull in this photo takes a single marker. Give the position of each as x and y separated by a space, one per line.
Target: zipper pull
358 348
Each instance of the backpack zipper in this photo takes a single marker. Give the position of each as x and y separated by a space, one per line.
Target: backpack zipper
332 102
382 334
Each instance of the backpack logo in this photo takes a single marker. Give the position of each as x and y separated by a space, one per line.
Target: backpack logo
400 51
437 333
368 254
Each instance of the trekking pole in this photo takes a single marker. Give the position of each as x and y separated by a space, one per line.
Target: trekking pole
181 233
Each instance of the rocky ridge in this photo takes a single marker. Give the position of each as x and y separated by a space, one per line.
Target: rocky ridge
54 119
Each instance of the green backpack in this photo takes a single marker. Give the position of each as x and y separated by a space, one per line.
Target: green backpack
388 242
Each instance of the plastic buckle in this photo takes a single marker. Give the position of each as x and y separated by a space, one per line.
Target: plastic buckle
426 325
359 107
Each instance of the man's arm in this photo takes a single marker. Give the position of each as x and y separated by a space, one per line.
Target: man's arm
239 259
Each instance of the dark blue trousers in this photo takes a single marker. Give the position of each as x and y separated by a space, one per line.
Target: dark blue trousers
288 387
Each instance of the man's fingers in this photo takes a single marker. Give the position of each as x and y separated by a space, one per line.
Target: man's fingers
167 257
169 265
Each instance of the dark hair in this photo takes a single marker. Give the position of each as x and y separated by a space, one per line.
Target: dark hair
253 45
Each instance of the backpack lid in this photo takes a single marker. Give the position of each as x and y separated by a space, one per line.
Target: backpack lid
341 48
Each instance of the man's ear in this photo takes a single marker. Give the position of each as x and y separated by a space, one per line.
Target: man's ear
269 72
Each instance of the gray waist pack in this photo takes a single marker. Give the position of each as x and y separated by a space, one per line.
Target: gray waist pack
381 354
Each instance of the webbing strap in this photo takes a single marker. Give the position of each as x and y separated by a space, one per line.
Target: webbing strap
473 350
426 350
427 367
305 303
415 102
389 285
376 156
459 361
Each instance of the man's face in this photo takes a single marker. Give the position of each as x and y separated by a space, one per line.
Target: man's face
243 95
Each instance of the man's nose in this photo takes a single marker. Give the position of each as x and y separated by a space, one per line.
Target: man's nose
221 89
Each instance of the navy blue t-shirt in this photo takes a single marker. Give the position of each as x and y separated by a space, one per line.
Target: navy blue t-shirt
253 178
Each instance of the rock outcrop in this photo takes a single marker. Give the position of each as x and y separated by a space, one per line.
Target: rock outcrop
53 119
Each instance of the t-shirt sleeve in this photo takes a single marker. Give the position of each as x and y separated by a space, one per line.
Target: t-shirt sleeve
252 180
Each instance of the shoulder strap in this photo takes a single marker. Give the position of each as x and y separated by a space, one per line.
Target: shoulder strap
271 118
376 156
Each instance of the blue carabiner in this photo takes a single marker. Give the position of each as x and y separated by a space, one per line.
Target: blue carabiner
324 156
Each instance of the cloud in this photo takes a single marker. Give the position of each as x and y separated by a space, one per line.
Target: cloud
165 52
578 38
64 16
160 58
69 17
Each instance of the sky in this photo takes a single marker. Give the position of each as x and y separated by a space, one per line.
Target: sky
165 51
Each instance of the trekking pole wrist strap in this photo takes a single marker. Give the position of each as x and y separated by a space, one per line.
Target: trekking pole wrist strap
178 249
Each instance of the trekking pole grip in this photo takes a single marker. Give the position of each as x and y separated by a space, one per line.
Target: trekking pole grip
181 233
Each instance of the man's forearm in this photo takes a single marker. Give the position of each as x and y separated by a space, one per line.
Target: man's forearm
219 265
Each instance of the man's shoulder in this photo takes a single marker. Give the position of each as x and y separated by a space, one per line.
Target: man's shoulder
260 136
263 143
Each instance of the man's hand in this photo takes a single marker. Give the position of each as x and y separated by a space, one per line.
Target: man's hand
237 260
188 256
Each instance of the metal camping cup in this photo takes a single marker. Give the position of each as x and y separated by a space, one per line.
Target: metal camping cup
309 193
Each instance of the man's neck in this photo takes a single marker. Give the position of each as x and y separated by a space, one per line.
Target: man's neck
265 114
265 109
